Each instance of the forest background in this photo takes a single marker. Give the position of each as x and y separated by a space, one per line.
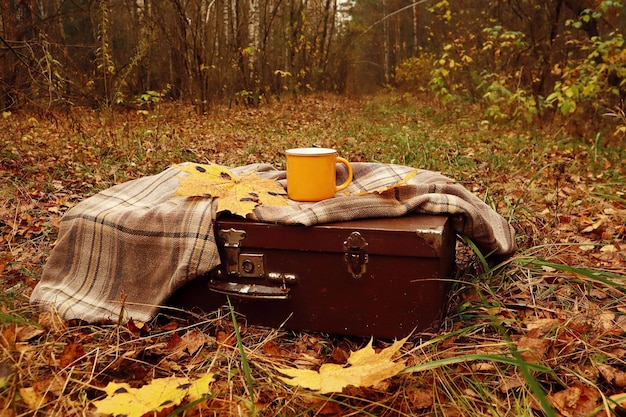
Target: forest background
519 100
521 59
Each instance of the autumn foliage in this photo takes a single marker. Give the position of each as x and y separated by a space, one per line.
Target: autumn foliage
541 333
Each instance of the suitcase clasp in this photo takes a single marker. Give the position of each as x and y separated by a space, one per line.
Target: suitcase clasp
232 246
356 256
250 265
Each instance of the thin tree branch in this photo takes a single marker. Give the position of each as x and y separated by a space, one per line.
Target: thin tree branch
17 54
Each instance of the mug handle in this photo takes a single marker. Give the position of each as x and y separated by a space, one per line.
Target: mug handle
349 180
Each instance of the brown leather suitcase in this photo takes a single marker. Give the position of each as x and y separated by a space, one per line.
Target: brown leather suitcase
383 277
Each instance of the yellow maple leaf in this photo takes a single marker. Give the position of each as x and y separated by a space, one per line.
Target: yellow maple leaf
365 368
239 195
159 394
380 188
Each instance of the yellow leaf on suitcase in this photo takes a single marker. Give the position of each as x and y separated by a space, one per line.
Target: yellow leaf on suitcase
386 184
159 394
238 195
365 368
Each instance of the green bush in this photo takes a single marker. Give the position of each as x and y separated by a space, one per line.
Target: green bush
413 74
593 80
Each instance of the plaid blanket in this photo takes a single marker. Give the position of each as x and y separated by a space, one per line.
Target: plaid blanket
125 250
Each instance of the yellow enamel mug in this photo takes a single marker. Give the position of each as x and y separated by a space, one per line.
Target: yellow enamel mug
312 173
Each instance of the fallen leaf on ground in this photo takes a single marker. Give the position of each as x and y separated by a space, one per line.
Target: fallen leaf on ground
420 398
26 333
187 345
31 397
509 382
71 352
613 375
41 391
238 195
532 350
157 395
365 368
540 327
576 401
6 372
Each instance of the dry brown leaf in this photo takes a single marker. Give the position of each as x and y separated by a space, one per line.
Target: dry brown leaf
228 339
6 373
185 345
38 394
26 333
7 337
540 327
613 376
620 325
531 349
575 401
71 352
272 349
420 398
593 226
238 195
331 409
606 321
194 340
510 382
33 399
339 355
53 385
137 328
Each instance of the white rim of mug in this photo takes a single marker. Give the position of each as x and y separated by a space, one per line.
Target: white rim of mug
310 151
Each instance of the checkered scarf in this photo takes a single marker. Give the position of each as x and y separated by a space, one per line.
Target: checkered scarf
127 249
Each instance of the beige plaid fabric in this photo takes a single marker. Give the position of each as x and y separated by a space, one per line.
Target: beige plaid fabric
125 250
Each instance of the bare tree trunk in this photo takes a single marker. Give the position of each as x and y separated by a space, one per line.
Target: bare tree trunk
385 42
254 34
416 22
294 31
197 49
545 60
328 29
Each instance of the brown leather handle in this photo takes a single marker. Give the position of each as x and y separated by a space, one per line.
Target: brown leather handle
249 291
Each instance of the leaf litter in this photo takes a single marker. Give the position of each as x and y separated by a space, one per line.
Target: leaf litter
559 303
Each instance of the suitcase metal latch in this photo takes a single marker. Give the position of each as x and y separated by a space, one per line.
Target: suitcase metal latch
238 265
249 265
356 256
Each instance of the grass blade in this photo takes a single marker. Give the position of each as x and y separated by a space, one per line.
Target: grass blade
244 359
525 368
475 357
604 277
